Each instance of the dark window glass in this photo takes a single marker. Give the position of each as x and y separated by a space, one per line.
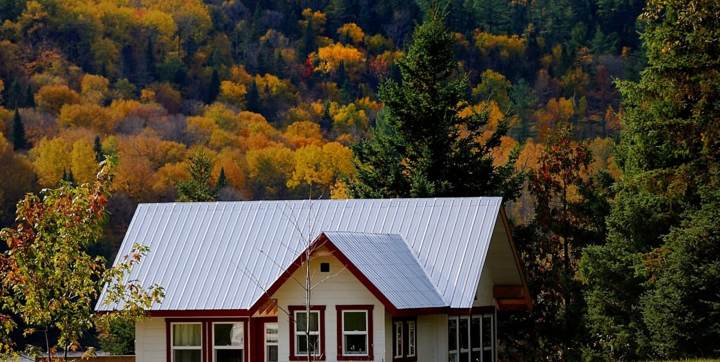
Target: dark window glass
452 334
187 355
229 355
464 329
355 344
475 333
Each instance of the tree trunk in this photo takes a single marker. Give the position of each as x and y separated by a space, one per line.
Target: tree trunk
47 345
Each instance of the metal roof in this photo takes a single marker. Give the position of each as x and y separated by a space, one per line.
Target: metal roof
389 264
223 255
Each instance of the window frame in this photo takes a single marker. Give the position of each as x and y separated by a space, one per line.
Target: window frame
207 341
480 315
266 344
213 348
292 310
368 310
171 340
404 356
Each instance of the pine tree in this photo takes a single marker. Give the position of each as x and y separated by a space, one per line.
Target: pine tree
97 147
649 287
416 148
19 140
214 87
252 98
221 181
199 186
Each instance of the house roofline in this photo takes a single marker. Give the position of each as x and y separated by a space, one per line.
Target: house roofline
323 241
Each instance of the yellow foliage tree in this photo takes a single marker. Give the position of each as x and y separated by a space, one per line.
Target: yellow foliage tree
82 161
269 170
330 57
50 98
90 116
303 133
320 168
50 160
233 93
94 88
351 32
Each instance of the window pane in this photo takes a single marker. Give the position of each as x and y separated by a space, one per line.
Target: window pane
228 355
487 331
464 356
398 339
452 334
187 355
186 334
354 321
355 344
411 338
487 356
228 334
464 329
475 333
301 344
301 319
476 356
271 333
452 357
271 354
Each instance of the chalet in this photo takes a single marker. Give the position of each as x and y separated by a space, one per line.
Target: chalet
389 280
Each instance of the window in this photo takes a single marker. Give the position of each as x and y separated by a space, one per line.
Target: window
307 335
228 341
186 342
355 332
398 340
471 338
411 338
324 267
271 342
404 339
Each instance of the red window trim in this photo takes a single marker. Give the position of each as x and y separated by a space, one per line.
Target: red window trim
339 323
206 331
404 321
321 310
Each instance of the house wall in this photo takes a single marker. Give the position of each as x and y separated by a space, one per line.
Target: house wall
338 287
432 337
150 340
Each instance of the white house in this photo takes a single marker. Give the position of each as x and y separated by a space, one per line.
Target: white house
390 280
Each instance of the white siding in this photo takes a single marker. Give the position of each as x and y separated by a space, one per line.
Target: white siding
150 340
432 337
338 287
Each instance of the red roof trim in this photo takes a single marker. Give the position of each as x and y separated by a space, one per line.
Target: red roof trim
323 240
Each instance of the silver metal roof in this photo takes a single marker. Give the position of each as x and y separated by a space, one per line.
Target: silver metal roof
223 255
389 264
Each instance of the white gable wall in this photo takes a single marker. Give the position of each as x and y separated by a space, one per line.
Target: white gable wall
150 340
338 287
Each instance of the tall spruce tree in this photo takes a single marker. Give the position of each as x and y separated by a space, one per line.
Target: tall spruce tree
420 145
199 187
19 139
652 288
214 87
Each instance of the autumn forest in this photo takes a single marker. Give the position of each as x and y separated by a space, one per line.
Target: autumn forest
596 120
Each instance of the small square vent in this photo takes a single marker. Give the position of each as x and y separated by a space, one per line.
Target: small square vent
324 267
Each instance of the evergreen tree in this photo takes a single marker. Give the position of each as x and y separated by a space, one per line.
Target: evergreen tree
416 148
29 97
19 140
326 121
221 181
150 68
68 177
649 285
252 98
199 187
214 87
97 147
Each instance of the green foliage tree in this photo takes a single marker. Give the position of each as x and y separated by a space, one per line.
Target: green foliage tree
640 291
18 136
417 148
49 280
199 187
98 149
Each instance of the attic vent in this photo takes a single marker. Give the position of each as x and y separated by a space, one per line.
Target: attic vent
324 267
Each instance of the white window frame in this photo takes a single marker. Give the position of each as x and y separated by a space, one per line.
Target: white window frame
398 339
216 348
482 349
355 333
412 349
297 334
174 348
271 325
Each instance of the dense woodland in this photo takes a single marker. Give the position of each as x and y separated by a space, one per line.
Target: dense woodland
597 120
